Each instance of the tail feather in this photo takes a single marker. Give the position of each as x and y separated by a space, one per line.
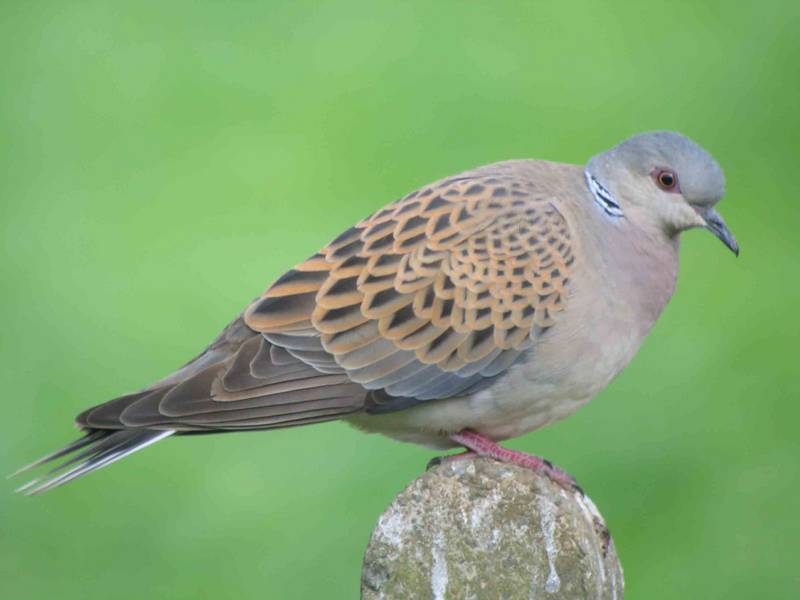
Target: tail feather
90 437
97 449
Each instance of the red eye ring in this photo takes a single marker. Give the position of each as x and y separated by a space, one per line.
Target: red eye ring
666 179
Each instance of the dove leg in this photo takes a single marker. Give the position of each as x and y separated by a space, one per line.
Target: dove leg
479 444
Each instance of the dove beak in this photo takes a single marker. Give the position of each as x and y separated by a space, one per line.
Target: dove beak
716 225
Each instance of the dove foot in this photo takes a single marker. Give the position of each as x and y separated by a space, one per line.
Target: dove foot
477 443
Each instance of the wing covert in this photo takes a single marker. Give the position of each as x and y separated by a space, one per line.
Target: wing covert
432 294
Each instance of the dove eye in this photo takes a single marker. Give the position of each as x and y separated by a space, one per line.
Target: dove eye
665 179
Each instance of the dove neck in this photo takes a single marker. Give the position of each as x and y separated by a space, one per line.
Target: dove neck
636 257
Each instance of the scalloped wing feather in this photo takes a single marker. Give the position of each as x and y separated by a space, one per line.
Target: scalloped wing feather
448 284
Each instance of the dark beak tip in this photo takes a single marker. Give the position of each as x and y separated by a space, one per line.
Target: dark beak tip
716 224
730 242
732 245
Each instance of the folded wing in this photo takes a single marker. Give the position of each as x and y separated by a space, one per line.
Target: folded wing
431 297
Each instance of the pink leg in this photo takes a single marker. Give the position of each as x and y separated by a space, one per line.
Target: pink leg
483 446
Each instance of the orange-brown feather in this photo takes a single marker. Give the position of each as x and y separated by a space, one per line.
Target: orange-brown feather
453 272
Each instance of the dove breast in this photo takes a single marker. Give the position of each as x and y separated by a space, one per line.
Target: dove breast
618 287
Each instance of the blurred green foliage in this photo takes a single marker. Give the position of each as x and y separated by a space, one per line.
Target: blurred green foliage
162 161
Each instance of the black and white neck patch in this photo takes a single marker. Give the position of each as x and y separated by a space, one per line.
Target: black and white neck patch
603 197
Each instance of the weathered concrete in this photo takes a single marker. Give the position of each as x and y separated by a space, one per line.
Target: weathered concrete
481 529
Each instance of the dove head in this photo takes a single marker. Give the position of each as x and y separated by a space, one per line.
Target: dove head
665 179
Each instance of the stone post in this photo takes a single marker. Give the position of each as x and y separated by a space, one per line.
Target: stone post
482 529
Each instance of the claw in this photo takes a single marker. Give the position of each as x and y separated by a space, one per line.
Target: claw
438 460
434 462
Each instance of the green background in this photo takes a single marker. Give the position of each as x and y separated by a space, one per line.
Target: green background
162 162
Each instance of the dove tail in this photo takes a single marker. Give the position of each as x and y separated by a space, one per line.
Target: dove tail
98 448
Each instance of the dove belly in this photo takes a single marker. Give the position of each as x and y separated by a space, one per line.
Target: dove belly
550 384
